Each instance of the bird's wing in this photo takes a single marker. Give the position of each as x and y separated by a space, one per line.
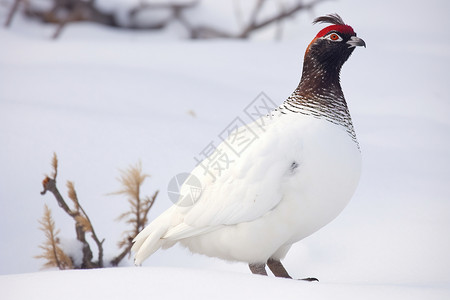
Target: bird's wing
241 181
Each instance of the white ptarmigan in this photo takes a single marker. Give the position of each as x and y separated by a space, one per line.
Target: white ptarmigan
296 176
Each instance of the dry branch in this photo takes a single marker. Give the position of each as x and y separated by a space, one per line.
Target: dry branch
206 32
64 12
131 181
82 221
53 254
12 12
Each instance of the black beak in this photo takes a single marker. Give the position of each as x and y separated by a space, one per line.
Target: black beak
356 41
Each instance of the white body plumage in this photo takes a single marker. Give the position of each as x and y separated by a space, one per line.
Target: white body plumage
295 178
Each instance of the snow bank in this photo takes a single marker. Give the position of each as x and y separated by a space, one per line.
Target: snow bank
175 283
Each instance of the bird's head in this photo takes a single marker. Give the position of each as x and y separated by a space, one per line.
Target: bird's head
333 45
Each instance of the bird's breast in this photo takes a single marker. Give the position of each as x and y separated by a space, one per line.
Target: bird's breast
325 178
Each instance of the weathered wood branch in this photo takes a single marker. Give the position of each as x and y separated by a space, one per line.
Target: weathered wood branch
131 180
145 211
49 184
12 12
116 260
283 14
141 217
175 7
205 32
95 238
64 12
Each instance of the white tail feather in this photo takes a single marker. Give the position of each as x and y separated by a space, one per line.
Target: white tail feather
164 232
183 231
150 238
148 245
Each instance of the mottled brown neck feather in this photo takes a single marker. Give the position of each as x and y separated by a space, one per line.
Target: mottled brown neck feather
319 95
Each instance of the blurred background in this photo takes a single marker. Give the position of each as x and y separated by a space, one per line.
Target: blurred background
108 83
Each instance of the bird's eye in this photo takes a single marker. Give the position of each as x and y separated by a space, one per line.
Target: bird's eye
333 37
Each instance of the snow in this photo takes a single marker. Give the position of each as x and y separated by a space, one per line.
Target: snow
171 283
103 99
73 248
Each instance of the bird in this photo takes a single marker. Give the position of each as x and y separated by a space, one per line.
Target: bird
292 172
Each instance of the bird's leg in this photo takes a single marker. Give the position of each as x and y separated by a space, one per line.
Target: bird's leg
259 269
278 270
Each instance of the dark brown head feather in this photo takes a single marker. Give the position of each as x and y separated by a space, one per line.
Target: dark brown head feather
331 18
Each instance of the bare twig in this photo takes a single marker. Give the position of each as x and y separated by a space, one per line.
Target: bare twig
12 12
145 211
238 12
132 180
49 184
176 7
116 260
64 12
126 251
285 13
53 254
96 239
259 5
206 32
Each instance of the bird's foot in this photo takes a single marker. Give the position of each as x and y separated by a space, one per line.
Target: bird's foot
277 269
309 279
